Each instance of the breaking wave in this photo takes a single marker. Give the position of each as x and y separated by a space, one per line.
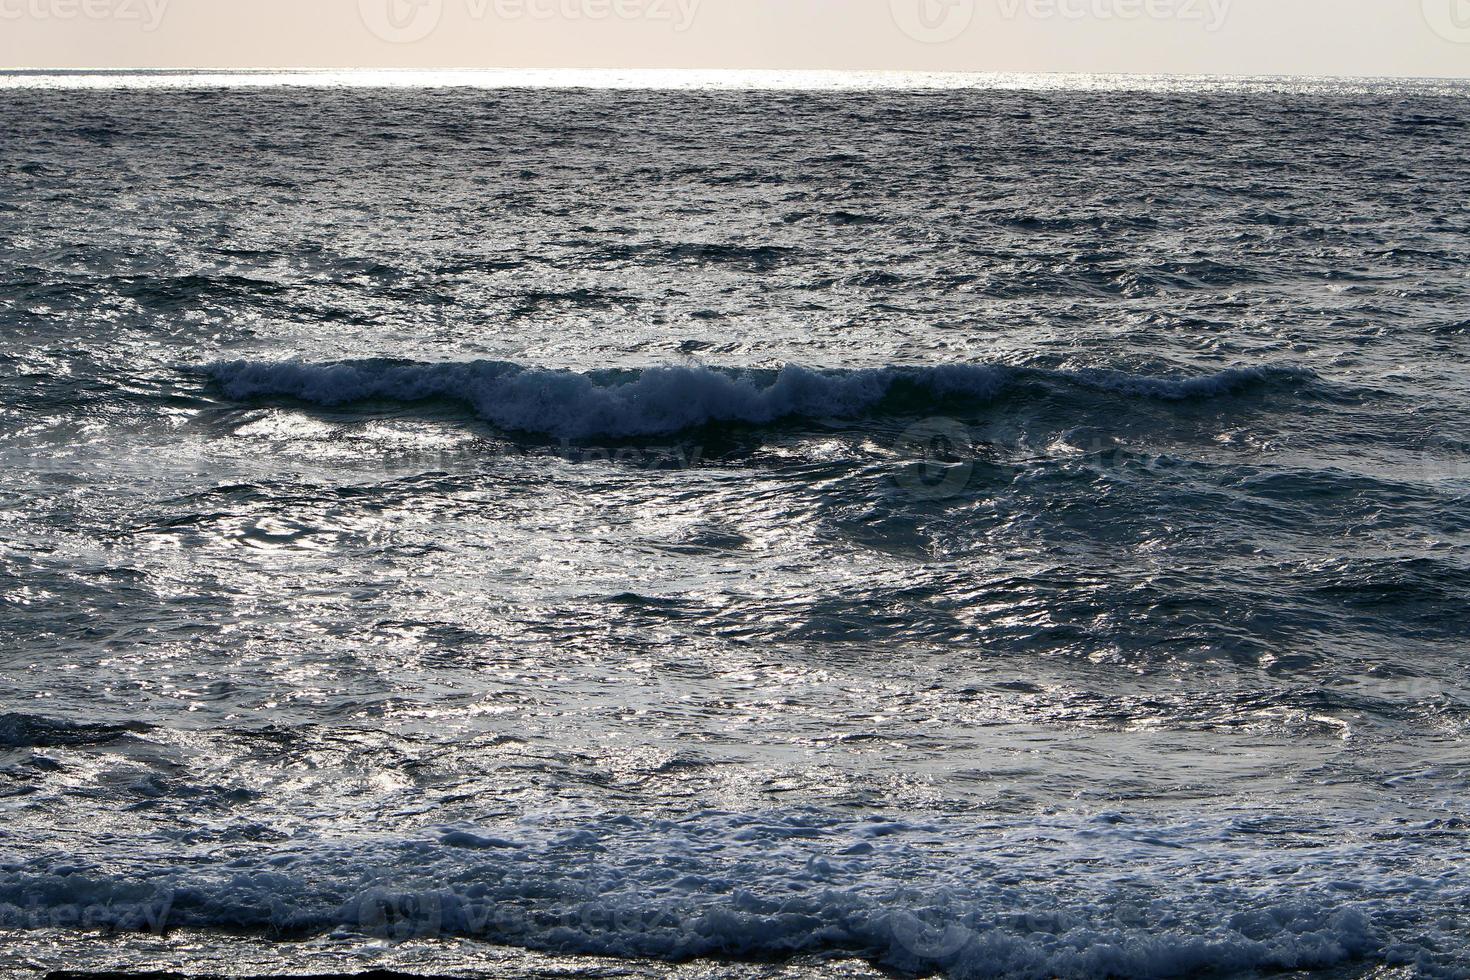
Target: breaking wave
1104 896
662 400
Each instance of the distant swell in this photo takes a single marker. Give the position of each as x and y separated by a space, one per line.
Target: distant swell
662 400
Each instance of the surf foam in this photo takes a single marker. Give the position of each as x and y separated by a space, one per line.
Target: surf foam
1081 896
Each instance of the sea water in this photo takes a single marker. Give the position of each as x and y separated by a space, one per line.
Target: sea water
985 526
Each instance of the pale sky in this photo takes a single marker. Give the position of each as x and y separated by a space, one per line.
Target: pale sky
1331 37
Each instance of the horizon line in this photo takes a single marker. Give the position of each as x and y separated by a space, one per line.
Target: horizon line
329 69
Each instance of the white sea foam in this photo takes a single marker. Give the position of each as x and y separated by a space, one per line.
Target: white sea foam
1062 896
662 400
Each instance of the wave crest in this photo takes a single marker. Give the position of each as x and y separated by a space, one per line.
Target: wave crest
662 400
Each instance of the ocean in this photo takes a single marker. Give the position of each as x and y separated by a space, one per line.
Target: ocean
659 525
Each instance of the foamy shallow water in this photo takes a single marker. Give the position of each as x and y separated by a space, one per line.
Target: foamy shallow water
791 526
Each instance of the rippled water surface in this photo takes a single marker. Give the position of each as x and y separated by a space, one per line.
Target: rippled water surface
990 529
